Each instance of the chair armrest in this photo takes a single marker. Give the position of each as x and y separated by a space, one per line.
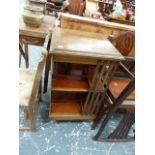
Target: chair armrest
37 80
128 58
46 44
39 71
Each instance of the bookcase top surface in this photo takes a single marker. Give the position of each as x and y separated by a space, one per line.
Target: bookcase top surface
67 42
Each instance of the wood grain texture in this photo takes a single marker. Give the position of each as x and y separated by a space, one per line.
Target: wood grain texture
69 83
125 43
68 111
66 42
27 77
93 25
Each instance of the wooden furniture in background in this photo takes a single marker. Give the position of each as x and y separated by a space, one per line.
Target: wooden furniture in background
76 7
106 6
92 25
127 22
34 36
79 61
49 6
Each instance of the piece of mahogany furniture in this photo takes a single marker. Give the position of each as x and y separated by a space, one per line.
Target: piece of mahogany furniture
82 64
106 28
30 88
125 44
76 7
121 131
34 36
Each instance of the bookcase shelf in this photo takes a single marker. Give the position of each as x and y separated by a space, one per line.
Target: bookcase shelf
69 83
68 110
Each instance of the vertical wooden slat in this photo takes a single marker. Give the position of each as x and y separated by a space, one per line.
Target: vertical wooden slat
92 104
95 74
106 81
86 102
92 85
95 102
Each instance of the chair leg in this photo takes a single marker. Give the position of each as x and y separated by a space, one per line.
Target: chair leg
102 112
26 114
29 115
26 55
98 118
47 69
33 118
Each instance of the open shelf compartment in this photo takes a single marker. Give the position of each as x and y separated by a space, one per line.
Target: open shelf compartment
68 110
69 83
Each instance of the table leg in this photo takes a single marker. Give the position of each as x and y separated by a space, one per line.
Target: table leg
47 69
26 56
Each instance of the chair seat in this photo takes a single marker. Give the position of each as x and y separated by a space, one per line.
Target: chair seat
117 86
26 81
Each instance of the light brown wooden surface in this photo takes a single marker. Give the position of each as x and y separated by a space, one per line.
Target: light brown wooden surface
40 32
27 77
66 42
70 110
69 83
93 25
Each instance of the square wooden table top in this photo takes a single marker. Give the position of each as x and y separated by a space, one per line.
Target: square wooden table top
41 31
75 43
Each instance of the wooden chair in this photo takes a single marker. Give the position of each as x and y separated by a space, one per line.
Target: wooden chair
125 79
121 131
125 72
125 43
30 88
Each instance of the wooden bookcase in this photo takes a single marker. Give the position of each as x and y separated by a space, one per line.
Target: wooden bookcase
69 88
82 64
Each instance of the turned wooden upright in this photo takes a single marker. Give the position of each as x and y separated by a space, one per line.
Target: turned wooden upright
82 66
